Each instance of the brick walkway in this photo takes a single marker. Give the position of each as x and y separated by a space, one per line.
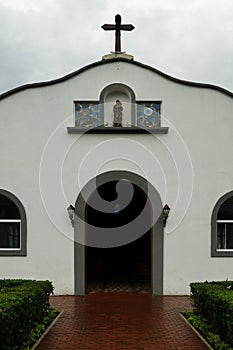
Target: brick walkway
121 321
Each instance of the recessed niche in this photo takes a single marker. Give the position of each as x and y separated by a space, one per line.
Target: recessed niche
108 98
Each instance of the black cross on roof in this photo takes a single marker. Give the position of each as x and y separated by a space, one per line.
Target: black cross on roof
118 27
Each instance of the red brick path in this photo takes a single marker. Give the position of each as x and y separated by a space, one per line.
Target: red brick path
121 321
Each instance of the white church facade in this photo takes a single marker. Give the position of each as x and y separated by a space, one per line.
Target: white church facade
172 145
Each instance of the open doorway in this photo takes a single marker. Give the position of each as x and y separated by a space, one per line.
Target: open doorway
126 268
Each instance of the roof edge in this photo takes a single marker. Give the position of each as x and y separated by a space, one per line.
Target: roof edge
98 63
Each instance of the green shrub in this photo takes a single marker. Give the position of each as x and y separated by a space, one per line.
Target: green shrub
206 331
39 328
23 303
213 302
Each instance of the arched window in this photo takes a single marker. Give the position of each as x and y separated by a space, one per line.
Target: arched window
12 225
222 227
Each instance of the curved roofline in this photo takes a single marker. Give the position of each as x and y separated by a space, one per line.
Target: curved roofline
98 63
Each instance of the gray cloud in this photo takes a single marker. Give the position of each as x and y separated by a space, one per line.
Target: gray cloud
44 40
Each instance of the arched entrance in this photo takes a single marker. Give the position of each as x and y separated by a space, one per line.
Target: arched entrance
125 268
137 264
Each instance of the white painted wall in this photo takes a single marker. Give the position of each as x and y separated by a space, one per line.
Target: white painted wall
30 118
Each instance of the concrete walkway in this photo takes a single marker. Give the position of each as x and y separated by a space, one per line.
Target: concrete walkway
121 321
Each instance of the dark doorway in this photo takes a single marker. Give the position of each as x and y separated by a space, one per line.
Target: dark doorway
126 268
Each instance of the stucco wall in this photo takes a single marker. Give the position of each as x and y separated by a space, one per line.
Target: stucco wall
34 144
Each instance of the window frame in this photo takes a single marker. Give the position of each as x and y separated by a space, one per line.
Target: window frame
22 251
215 251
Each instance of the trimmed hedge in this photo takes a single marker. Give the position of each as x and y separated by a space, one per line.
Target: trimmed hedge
205 330
23 303
213 301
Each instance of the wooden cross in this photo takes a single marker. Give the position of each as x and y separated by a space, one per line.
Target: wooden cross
118 27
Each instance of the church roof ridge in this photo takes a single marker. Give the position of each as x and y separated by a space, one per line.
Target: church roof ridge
118 59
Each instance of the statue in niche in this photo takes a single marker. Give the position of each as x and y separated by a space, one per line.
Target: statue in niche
117 111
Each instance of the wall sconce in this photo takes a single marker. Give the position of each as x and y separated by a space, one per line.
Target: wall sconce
166 211
71 213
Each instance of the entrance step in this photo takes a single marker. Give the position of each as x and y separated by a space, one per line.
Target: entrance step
118 287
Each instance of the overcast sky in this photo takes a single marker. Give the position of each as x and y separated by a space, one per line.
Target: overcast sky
46 39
